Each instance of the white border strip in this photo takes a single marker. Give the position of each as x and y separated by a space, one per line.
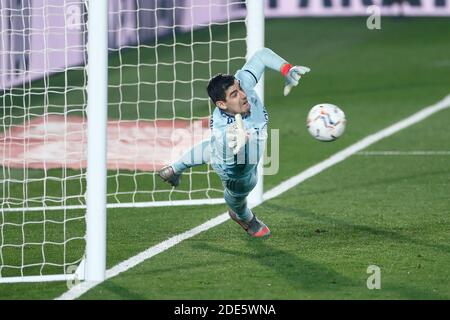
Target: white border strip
83 287
46 278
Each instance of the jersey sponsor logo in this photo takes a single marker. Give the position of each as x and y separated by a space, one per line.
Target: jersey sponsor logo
61 142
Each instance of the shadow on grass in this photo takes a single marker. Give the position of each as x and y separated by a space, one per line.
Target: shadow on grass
300 274
355 231
119 291
352 228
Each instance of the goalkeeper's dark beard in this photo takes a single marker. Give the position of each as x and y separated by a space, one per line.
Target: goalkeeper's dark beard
245 106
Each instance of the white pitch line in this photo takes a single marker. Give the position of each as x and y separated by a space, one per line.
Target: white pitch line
194 202
81 288
78 290
404 153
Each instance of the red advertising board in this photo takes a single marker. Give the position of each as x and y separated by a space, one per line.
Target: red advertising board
61 142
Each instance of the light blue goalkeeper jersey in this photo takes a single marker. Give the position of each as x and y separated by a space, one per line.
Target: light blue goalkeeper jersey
224 162
240 166
237 172
216 151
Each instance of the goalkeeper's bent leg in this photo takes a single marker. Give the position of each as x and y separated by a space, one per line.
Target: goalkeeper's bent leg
238 203
235 194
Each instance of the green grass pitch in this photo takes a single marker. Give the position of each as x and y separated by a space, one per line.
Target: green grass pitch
389 211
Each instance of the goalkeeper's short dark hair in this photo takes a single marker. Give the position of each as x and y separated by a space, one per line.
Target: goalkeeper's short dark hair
218 85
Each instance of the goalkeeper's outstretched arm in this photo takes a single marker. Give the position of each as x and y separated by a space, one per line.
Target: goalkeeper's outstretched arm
266 58
197 155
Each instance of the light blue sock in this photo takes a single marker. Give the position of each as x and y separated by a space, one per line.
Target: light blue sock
239 205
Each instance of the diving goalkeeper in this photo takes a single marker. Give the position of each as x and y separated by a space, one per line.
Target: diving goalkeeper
238 135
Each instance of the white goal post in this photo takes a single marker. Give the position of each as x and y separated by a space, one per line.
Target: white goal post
97 96
97 113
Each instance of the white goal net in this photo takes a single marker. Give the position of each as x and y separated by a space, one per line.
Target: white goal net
161 56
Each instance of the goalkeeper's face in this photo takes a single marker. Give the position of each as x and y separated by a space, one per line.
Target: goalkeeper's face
235 100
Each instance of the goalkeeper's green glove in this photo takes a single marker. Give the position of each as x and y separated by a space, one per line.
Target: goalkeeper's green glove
292 74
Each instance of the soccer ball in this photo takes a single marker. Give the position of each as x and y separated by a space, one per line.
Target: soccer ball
326 122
